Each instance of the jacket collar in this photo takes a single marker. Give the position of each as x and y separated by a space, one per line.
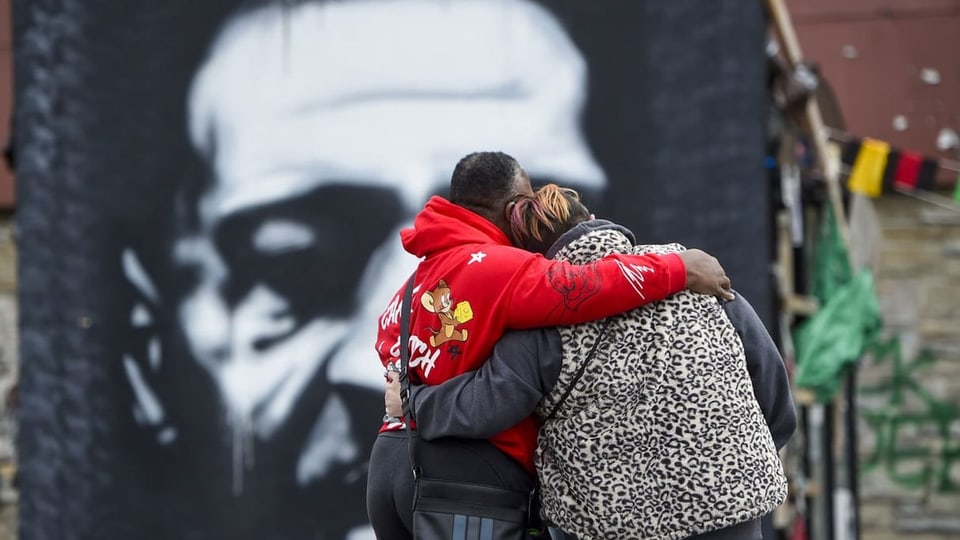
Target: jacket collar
584 228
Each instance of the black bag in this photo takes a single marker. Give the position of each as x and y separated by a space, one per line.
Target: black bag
448 509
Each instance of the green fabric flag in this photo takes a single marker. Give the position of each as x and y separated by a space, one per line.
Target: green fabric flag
848 319
831 265
956 189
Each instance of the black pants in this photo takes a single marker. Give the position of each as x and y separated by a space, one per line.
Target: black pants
390 482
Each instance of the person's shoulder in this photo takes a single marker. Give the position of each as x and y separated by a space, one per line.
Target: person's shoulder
658 249
497 264
498 253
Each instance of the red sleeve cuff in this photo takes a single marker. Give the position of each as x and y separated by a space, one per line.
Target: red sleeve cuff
677 272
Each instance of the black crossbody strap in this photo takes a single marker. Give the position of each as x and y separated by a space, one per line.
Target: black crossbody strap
404 369
582 368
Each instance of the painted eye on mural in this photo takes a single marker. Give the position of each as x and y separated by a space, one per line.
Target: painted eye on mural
311 249
282 236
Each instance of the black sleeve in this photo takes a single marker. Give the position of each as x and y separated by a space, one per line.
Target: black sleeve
507 387
767 371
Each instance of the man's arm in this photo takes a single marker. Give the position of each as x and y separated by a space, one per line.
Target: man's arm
543 292
505 390
771 385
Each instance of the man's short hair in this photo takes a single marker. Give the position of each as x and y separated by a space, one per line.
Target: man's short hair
483 179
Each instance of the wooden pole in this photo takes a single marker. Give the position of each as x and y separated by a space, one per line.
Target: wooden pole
791 47
830 166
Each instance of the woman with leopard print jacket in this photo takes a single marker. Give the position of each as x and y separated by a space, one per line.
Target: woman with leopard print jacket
673 428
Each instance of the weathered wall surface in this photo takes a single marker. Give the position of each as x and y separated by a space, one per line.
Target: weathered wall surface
893 66
910 389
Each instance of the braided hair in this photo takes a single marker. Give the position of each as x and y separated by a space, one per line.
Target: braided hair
538 220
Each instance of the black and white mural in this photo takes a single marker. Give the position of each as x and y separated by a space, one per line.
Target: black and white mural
210 199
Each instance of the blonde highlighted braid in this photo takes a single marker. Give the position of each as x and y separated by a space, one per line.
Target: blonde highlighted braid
537 220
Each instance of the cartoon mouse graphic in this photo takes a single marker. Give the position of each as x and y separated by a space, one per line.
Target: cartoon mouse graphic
438 301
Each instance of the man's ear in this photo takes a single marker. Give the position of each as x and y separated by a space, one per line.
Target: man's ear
505 224
508 210
592 217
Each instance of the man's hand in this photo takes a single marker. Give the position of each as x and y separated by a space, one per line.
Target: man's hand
705 275
391 395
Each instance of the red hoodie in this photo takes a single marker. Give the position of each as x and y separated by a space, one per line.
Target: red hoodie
473 284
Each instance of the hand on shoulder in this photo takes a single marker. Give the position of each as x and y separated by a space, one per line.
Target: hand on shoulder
705 275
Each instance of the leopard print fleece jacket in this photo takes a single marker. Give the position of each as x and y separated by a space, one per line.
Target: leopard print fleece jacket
662 437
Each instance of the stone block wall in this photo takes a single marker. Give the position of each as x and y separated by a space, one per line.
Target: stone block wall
909 391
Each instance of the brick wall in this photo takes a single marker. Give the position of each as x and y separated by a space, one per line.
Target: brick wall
909 394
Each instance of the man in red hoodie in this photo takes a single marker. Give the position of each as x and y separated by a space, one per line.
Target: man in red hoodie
471 286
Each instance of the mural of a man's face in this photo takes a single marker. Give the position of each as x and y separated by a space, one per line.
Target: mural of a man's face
326 125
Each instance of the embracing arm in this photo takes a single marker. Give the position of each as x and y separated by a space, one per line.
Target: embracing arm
505 390
771 385
544 292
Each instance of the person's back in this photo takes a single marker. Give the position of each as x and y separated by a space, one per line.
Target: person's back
472 285
661 437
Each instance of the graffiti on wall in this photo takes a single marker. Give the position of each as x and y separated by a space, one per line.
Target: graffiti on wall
912 427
